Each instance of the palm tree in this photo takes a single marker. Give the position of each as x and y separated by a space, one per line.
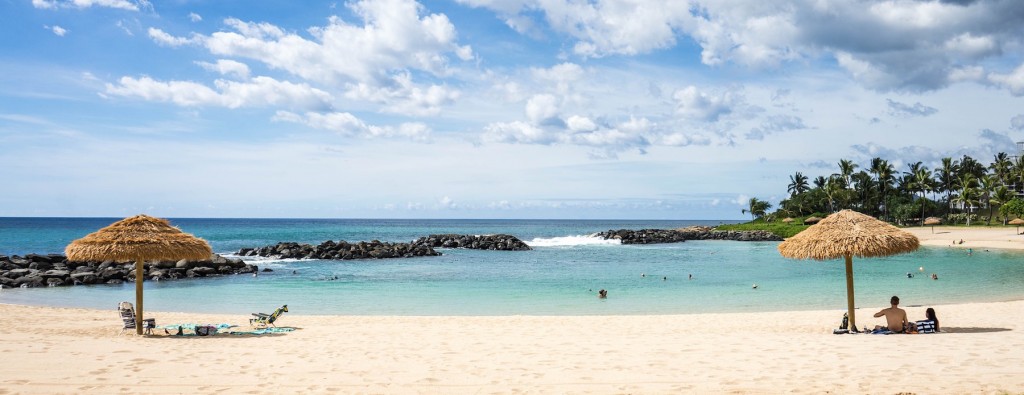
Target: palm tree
987 184
1002 196
969 165
1001 168
921 181
846 169
833 186
819 182
968 196
797 184
946 176
862 187
1017 174
757 208
883 176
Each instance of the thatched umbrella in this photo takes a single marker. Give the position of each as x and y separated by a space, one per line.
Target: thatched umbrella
787 220
933 221
1018 222
811 220
844 235
139 238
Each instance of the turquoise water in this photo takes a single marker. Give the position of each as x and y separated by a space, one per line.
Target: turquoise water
559 277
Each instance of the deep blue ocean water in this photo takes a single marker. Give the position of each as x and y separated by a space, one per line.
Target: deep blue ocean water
561 276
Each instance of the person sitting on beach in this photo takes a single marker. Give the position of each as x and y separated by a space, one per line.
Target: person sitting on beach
895 317
602 294
930 323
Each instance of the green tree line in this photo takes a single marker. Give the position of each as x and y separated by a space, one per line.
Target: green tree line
960 190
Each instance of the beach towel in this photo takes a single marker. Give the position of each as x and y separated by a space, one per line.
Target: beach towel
263 331
925 326
197 329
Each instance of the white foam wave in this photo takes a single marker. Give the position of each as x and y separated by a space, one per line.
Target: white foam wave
568 241
262 260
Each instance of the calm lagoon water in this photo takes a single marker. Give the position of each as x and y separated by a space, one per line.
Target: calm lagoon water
561 276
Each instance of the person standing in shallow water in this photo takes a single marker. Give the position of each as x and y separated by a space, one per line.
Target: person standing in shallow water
602 294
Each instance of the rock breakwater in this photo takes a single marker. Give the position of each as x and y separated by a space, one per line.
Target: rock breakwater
656 236
499 242
341 250
424 246
54 270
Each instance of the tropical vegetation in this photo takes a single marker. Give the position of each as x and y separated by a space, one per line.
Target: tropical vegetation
961 190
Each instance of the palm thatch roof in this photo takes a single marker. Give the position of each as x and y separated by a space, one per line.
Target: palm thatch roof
933 221
138 238
848 233
811 220
787 220
1016 221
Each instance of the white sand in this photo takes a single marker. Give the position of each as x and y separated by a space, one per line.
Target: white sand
974 237
981 350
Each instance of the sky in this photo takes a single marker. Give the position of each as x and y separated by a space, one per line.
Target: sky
562 109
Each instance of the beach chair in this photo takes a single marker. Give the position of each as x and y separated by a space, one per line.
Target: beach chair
262 320
127 312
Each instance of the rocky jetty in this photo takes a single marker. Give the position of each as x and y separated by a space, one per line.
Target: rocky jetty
497 242
341 250
424 246
656 236
55 270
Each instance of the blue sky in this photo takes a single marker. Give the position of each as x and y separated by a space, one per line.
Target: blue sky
486 108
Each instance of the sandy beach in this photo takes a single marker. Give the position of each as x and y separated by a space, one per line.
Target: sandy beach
974 237
981 350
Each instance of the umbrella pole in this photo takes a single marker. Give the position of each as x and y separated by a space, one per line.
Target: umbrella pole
138 295
849 291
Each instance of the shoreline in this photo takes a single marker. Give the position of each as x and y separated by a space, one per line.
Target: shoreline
60 350
1003 238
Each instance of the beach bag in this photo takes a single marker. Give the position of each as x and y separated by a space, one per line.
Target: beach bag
205 330
846 321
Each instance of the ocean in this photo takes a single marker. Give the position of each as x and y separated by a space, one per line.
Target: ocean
560 276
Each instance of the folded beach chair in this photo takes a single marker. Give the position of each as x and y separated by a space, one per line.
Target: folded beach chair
261 320
127 312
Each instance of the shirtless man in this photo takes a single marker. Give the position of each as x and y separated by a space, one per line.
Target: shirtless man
895 317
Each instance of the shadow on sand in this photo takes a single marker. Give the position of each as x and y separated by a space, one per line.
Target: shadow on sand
947 329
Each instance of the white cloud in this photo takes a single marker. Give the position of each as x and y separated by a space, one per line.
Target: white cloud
347 124
59 31
775 124
516 132
603 28
120 4
702 106
448 203
393 37
905 110
577 123
375 61
124 27
163 38
257 92
227 67
971 46
1013 81
541 108
403 96
194 17
561 75
1017 122
889 45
